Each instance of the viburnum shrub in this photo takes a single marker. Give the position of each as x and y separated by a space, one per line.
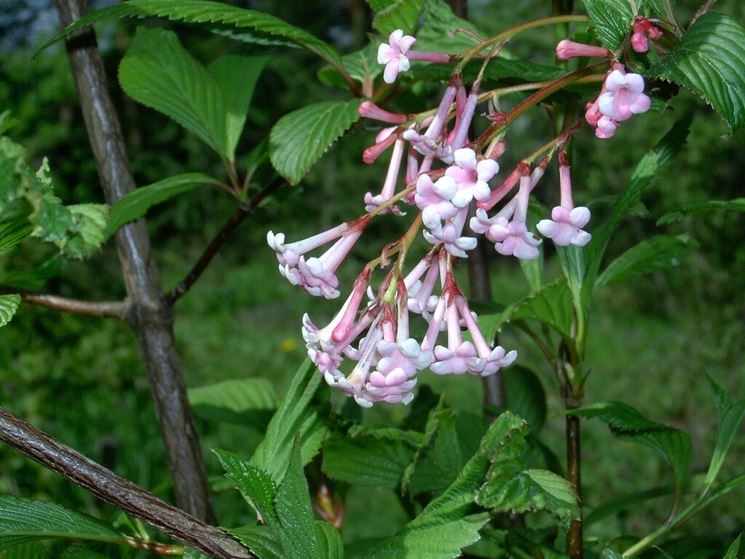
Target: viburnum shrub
450 106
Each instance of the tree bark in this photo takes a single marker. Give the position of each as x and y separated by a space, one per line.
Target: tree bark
150 315
121 493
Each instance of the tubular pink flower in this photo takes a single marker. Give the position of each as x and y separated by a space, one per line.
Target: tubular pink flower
434 199
368 109
606 128
384 140
471 177
421 300
391 179
449 235
289 254
496 195
567 49
566 223
393 55
493 358
459 356
463 122
624 96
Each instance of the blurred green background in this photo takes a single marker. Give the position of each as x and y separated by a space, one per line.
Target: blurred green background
652 339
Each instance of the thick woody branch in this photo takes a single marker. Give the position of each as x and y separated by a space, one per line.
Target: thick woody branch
121 493
101 309
219 240
149 314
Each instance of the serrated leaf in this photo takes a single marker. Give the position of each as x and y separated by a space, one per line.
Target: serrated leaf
8 306
25 520
135 205
294 511
627 423
612 20
698 208
710 62
399 14
660 252
159 73
365 460
256 485
730 414
651 165
210 13
551 305
361 65
260 540
438 32
300 138
297 415
239 401
236 75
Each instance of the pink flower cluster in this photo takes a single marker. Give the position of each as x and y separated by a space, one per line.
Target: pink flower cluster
448 182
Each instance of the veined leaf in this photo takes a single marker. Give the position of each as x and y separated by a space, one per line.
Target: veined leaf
551 305
626 422
297 416
24 520
612 20
710 62
398 14
236 75
524 395
439 33
135 205
12 232
730 414
208 12
159 73
260 540
256 485
365 460
8 306
656 253
733 549
330 545
362 65
239 401
301 137
698 208
298 532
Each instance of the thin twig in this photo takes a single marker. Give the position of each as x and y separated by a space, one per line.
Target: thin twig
101 309
705 7
121 493
243 211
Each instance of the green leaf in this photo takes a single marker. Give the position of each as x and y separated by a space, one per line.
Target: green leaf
730 413
30 550
256 485
294 510
624 503
699 208
8 306
361 65
660 252
301 137
12 232
239 401
236 76
627 423
260 540
297 416
24 520
710 62
365 460
80 552
733 549
551 305
439 33
612 20
651 165
210 13
159 73
399 14
329 541
135 205
524 395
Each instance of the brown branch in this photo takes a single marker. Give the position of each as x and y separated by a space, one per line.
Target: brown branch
243 211
705 7
150 315
121 493
101 309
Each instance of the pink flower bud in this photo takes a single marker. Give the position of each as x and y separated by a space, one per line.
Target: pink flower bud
567 49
